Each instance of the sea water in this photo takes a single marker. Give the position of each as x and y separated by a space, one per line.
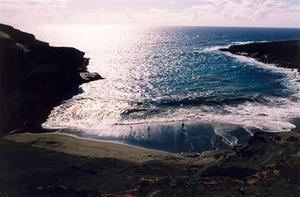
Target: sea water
170 88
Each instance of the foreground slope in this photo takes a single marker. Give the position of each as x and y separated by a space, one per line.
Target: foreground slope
55 165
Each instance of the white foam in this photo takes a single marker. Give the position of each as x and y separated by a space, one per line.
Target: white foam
274 117
224 132
99 115
217 47
292 76
248 42
213 48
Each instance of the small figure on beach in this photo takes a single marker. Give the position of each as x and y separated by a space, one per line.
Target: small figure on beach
183 129
148 130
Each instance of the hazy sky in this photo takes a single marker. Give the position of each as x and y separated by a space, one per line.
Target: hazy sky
276 13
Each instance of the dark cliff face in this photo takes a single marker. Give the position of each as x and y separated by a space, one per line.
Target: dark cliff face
35 77
283 53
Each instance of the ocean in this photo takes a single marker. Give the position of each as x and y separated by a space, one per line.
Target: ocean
169 88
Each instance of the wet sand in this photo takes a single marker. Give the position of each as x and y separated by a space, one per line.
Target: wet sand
59 165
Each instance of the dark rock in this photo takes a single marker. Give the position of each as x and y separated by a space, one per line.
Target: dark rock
293 139
35 77
261 154
282 53
242 190
259 145
87 76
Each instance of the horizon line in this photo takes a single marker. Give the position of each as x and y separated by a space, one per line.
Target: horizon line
131 25
139 25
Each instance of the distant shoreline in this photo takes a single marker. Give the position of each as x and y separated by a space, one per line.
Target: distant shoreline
280 53
46 162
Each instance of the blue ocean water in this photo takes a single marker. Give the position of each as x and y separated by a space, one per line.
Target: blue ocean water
170 88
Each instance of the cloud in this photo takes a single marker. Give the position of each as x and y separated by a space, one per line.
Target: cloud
129 14
17 12
197 11
21 4
246 12
204 12
159 11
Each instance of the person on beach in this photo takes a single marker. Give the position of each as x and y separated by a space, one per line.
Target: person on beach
148 130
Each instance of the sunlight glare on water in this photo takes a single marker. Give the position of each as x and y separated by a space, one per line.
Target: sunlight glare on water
158 75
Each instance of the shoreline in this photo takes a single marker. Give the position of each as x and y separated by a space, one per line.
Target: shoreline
115 169
62 164
92 140
284 54
42 140
290 72
167 136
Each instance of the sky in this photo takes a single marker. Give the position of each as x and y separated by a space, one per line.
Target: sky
249 13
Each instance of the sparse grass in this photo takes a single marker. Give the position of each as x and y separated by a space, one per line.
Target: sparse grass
101 149
59 165
89 148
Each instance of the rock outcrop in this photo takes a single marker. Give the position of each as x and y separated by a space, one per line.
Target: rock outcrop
283 53
35 77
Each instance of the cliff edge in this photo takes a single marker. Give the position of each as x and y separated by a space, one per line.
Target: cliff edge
281 53
35 77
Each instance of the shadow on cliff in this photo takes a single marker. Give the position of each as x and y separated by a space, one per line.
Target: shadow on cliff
35 77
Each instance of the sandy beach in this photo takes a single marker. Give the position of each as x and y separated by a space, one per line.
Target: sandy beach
36 163
52 165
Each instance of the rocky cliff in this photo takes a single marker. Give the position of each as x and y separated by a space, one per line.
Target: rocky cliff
35 77
282 53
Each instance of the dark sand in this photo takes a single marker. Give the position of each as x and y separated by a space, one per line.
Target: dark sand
57 165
